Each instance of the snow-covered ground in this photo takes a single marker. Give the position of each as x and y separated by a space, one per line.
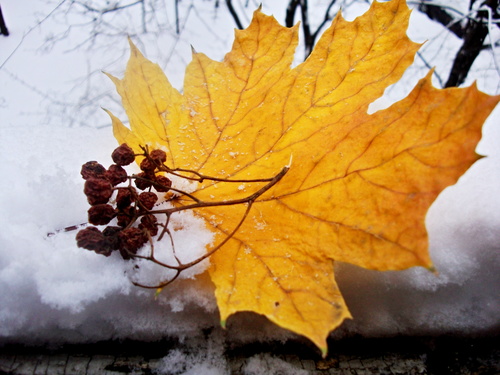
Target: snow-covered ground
51 123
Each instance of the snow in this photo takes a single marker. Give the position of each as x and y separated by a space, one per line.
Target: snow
54 292
265 364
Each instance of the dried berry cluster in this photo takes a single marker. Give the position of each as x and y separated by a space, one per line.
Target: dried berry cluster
128 206
133 207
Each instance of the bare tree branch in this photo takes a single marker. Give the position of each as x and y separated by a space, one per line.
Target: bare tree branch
309 36
231 9
113 8
290 12
177 23
3 27
29 31
439 14
475 33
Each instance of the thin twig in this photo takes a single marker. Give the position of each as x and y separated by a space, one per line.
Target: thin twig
185 266
29 32
233 202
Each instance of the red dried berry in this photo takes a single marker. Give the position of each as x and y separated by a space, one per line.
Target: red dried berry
143 181
91 238
125 216
147 166
158 156
148 222
92 169
124 198
116 174
162 184
111 231
97 190
111 237
123 155
148 199
131 240
101 214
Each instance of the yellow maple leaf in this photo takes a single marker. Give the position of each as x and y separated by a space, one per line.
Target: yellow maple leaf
359 186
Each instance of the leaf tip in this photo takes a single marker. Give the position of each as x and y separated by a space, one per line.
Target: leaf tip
157 293
134 51
324 352
479 156
223 324
110 114
433 269
131 43
111 77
